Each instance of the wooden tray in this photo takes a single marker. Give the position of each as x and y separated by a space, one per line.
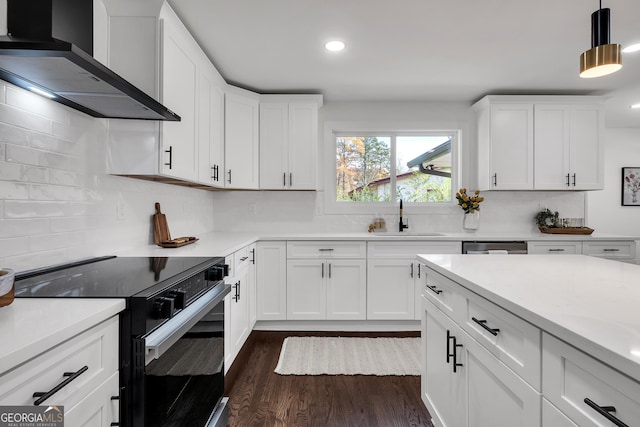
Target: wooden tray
176 243
566 230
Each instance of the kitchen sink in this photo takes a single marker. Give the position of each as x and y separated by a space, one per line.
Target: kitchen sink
406 233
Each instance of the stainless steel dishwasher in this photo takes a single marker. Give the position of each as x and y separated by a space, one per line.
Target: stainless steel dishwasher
494 247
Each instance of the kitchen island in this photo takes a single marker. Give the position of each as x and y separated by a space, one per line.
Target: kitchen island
530 340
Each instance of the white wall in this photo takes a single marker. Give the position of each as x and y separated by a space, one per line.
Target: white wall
304 211
57 203
606 212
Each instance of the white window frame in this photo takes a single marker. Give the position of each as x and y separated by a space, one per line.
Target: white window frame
333 129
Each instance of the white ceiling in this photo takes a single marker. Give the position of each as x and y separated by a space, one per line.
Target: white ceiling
416 50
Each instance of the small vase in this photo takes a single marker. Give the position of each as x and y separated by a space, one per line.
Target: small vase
471 221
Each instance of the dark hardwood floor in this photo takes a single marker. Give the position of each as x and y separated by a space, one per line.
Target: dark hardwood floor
260 397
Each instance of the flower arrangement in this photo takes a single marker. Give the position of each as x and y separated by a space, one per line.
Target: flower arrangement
469 204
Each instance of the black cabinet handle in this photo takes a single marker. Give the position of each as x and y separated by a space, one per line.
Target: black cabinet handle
325 249
495 179
556 250
449 354
322 275
42 396
574 179
455 355
605 411
418 270
236 297
329 270
244 258
229 176
170 151
434 289
483 323
411 267
290 179
611 250
253 256
568 185
284 179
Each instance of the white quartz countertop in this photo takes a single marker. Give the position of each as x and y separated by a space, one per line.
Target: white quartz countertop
589 302
225 243
31 326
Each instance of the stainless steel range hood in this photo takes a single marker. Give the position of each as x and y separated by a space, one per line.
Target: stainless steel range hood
32 59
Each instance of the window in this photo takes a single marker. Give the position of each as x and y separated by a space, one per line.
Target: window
388 167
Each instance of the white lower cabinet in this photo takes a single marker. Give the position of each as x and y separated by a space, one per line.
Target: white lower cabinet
326 281
586 390
394 277
236 306
552 417
271 277
465 385
93 358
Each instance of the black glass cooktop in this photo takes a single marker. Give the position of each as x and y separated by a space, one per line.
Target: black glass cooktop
110 277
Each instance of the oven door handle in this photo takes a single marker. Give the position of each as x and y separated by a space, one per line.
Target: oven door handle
160 340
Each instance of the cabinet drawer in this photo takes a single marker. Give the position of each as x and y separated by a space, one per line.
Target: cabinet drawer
328 249
552 417
241 259
98 408
97 349
411 249
612 250
443 293
515 342
569 376
554 248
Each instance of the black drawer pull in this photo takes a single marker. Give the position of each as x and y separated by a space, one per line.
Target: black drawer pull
483 323
449 336
434 289
325 249
605 411
244 258
611 250
71 376
455 355
170 151
556 250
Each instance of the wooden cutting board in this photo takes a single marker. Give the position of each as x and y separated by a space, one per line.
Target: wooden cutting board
160 227
161 234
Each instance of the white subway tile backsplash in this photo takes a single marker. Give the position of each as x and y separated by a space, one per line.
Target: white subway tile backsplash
52 144
55 192
23 227
24 119
13 134
30 156
46 242
61 177
14 246
15 209
13 190
36 104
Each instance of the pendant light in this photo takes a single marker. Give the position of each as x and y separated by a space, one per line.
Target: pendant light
603 58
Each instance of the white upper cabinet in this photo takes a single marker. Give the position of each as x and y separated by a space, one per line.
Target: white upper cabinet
288 141
540 143
568 148
148 45
241 139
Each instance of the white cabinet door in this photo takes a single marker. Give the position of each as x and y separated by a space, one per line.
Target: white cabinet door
587 150
303 145
179 88
390 289
443 391
306 289
346 289
288 145
237 322
211 128
552 143
252 286
511 147
271 280
274 141
554 248
241 141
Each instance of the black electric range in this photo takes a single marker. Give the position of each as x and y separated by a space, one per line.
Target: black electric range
161 294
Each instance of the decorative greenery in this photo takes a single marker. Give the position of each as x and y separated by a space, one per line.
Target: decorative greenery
546 218
469 204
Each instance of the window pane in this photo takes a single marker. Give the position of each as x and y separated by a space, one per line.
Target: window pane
363 165
423 168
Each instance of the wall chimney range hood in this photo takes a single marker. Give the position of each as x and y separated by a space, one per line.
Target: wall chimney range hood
32 59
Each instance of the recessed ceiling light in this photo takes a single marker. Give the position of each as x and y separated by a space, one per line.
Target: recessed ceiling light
631 48
334 46
635 106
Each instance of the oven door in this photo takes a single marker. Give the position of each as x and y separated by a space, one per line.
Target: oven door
184 366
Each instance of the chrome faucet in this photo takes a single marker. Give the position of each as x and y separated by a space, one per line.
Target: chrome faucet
401 225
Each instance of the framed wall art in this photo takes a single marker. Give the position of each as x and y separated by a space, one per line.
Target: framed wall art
630 186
